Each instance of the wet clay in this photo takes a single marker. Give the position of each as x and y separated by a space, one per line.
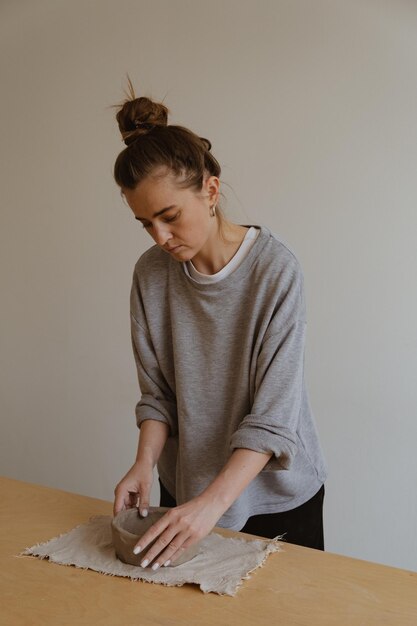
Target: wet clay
128 527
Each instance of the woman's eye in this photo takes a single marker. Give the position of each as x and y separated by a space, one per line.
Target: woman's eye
167 219
171 219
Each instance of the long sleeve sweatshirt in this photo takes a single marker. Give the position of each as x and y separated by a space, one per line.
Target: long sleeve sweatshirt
222 364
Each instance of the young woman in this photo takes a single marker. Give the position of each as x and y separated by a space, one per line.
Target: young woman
218 325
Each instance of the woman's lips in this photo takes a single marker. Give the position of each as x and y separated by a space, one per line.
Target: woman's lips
173 249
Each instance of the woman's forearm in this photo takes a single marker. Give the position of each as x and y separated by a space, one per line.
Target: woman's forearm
152 438
239 471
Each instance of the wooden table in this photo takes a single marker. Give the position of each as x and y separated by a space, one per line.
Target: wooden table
295 587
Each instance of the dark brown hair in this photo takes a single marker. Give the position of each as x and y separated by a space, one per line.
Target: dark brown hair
153 144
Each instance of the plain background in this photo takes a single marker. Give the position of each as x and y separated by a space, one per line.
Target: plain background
311 110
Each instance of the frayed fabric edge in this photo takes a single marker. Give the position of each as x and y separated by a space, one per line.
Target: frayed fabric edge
272 546
31 551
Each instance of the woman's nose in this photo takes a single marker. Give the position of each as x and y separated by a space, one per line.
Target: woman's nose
162 234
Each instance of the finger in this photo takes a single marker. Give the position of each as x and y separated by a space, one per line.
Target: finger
152 533
143 501
157 556
119 502
175 547
124 499
174 557
160 544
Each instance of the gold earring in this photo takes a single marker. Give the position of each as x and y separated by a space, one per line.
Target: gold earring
213 210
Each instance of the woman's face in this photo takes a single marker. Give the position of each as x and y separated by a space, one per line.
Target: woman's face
178 220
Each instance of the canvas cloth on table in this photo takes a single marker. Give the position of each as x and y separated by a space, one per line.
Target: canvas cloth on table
220 566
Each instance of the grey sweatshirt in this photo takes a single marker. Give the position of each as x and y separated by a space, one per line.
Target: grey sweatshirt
223 365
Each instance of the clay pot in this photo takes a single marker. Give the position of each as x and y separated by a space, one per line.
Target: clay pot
127 527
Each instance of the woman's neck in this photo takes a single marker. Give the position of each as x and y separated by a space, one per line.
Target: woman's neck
218 251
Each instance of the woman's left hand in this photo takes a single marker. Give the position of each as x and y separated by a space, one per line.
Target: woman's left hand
177 530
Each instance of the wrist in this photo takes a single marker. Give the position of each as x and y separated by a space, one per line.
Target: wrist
144 459
216 498
152 439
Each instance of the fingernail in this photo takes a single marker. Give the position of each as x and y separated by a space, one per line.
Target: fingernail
167 563
144 563
145 513
137 550
155 566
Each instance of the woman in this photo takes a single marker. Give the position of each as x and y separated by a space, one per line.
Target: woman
218 332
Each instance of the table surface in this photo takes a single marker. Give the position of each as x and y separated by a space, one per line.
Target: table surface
296 586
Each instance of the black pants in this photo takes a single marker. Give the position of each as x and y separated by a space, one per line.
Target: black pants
302 525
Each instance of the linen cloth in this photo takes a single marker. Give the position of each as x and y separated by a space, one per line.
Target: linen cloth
220 566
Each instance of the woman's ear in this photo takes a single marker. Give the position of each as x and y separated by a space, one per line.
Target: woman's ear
212 186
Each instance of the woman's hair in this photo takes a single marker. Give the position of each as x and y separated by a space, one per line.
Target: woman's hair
156 148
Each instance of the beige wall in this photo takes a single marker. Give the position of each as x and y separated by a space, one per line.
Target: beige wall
311 109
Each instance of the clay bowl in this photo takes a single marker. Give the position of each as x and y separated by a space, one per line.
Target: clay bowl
127 527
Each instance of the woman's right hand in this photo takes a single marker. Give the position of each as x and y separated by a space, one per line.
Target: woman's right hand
134 489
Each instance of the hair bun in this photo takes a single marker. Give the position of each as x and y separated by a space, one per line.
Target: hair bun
138 116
